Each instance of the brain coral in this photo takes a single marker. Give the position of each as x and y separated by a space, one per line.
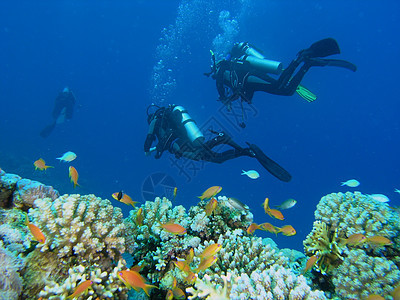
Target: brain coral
84 226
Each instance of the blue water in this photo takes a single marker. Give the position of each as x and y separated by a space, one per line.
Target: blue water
106 51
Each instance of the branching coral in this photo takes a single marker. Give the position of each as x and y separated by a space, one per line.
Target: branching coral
85 226
361 275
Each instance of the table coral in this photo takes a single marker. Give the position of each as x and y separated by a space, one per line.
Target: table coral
84 226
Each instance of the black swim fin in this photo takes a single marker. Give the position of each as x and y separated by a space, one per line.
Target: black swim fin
47 130
271 166
331 62
322 48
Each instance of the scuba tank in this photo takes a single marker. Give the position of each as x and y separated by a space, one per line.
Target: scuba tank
256 59
193 132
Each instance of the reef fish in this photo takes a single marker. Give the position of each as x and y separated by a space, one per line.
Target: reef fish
237 204
174 228
289 203
310 263
253 227
395 190
73 174
287 230
275 214
375 297
67 156
379 240
210 206
35 231
133 279
396 293
251 173
124 198
41 164
81 288
210 251
269 227
139 217
351 183
356 239
210 192
379 197
206 263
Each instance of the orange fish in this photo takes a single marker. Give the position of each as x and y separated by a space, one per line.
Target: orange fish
124 198
41 165
134 280
190 256
375 297
169 295
182 265
287 230
178 293
275 214
191 278
252 228
174 228
210 192
36 232
355 239
73 173
81 288
210 251
379 240
206 263
139 217
310 263
269 227
210 206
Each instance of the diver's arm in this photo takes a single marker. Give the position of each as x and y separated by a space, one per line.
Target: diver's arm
150 137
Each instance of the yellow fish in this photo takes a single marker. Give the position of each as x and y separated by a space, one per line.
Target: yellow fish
175 191
139 217
310 263
41 164
206 263
379 240
174 228
210 192
269 227
355 239
210 251
124 198
287 230
210 206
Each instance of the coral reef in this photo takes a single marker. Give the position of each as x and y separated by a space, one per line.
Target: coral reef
8 183
13 231
10 280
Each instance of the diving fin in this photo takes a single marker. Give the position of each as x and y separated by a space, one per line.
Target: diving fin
271 166
322 62
322 48
305 93
47 130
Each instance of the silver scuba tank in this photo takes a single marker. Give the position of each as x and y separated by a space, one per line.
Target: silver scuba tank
258 61
193 132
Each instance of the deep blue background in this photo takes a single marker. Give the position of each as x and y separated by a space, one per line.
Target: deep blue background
105 51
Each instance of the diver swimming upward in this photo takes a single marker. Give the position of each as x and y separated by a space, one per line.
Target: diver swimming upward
176 132
245 71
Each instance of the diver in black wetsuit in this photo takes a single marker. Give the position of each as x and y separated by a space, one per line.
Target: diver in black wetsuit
63 110
245 71
179 134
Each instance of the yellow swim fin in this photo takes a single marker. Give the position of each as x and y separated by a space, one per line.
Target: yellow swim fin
306 93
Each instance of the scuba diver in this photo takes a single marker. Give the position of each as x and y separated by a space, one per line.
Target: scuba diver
245 71
63 110
176 132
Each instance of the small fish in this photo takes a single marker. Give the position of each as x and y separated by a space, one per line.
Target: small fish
310 263
379 197
351 183
266 205
182 265
191 278
269 227
396 293
175 191
210 192
35 231
73 173
253 227
375 297
289 203
235 203
174 228
355 239
124 198
395 190
169 295
206 263
210 251
178 293
81 288
379 240
41 165
139 217
67 156
210 206
275 214
190 256
287 230
251 174
134 280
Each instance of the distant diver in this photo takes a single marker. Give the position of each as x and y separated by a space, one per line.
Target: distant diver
63 110
245 71
177 133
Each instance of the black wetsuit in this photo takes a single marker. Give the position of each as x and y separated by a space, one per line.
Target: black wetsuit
167 127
